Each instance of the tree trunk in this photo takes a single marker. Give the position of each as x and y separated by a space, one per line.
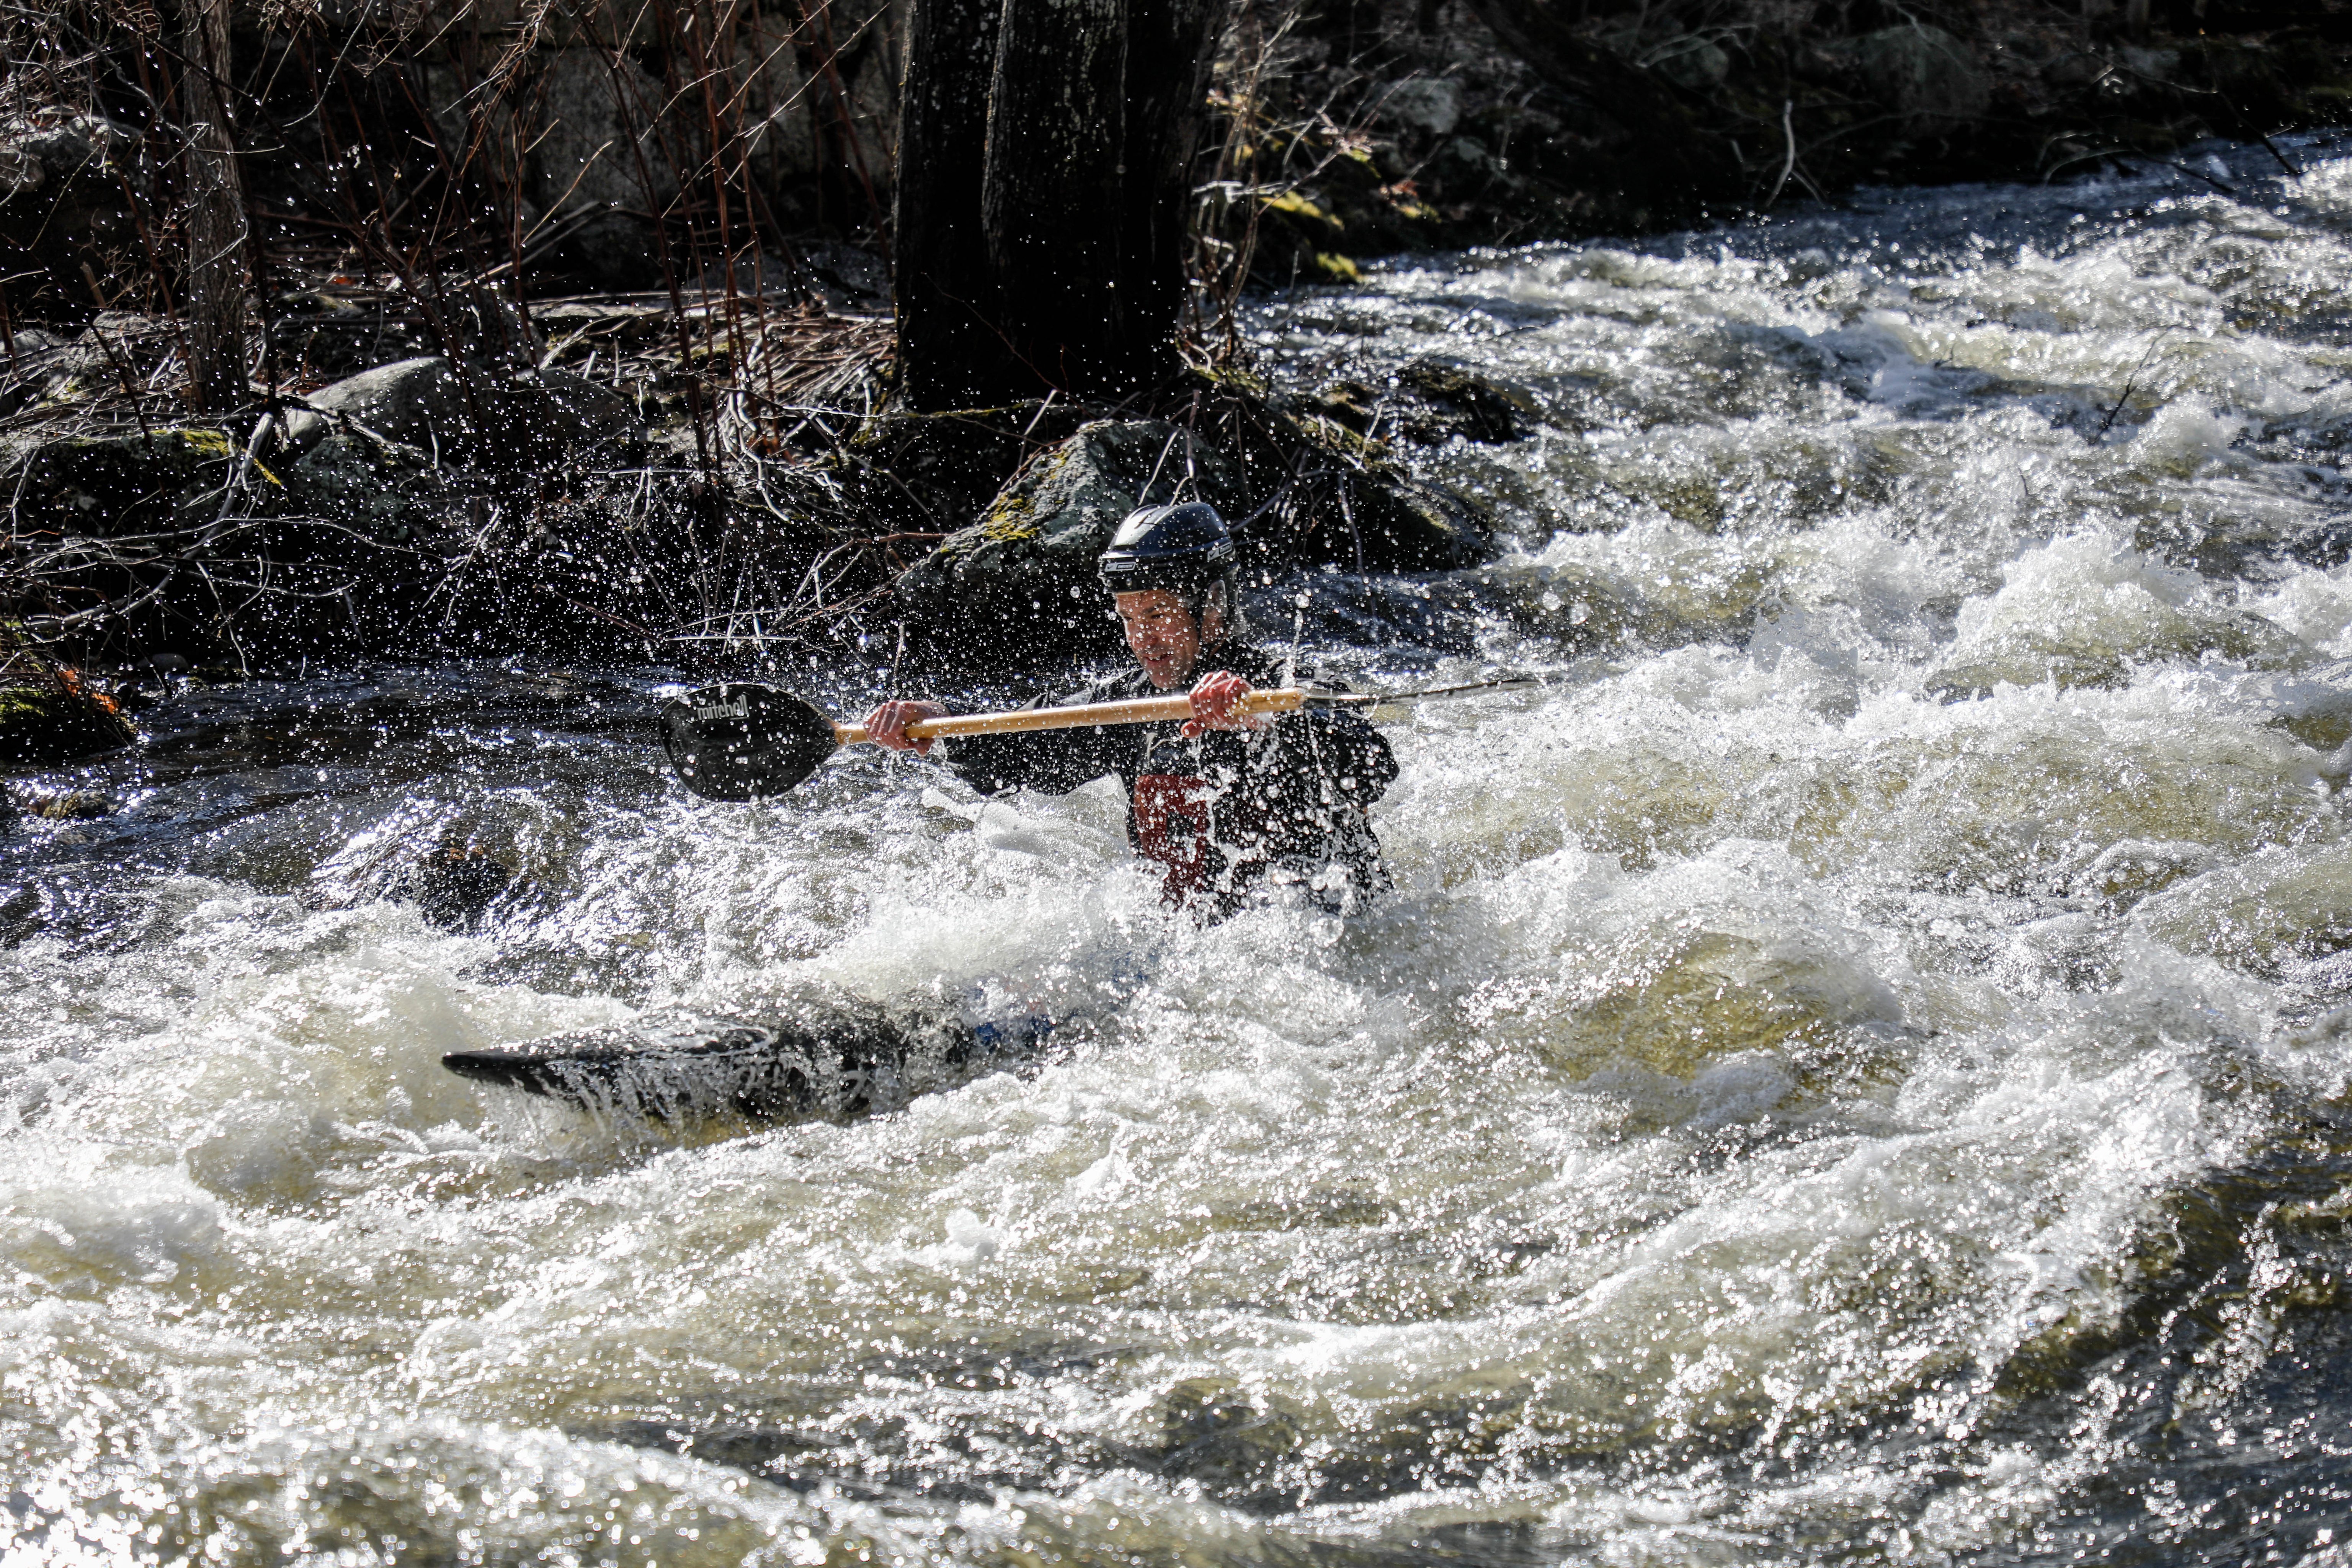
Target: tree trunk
950 355
1040 204
1171 45
1051 193
214 214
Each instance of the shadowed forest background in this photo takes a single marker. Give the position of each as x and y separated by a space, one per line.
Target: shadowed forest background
720 332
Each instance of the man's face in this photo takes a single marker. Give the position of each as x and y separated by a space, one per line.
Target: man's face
1163 633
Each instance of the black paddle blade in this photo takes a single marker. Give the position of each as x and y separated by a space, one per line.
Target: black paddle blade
740 741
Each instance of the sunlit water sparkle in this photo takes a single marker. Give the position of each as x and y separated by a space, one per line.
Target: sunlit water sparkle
1855 1067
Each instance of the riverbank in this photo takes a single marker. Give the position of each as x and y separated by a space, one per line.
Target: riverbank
617 497
1361 129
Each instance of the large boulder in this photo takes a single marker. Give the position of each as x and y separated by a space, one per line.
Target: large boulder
930 473
473 417
1342 500
149 521
386 491
1019 586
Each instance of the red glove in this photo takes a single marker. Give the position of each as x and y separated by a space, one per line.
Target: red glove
886 725
1216 704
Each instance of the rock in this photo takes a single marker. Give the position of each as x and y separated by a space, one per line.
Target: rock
1431 105
35 347
1465 162
1299 487
49 714
1429 403
339 338
1212 1433
53 366
2126 872
930 473
49 153
849 278
61 208
471 416
1690 62
1391 523
2075 68
1453 401
1019 585
66 805
1925 74
1325 495
360 481
98 486
454 889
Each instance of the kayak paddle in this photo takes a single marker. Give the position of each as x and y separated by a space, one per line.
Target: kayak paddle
743 741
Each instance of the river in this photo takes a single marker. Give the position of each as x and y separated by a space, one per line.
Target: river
1855 1068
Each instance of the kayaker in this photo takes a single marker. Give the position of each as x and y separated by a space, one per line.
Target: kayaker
1235 807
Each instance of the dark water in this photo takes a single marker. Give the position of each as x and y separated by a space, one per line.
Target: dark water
1855 1069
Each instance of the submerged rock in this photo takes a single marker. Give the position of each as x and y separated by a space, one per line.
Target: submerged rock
455 888
1428 403
66 805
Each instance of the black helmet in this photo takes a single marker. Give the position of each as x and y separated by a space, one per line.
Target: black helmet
1181 548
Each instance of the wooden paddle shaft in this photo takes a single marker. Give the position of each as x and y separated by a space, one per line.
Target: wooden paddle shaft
1140 711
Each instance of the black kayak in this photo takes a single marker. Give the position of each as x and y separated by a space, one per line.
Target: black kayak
833 1059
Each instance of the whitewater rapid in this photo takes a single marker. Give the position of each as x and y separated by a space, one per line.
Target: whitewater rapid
1855 1066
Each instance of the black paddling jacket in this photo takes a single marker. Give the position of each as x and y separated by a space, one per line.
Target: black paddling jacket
1231 815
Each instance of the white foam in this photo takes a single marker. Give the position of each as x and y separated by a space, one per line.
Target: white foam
1798 1015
